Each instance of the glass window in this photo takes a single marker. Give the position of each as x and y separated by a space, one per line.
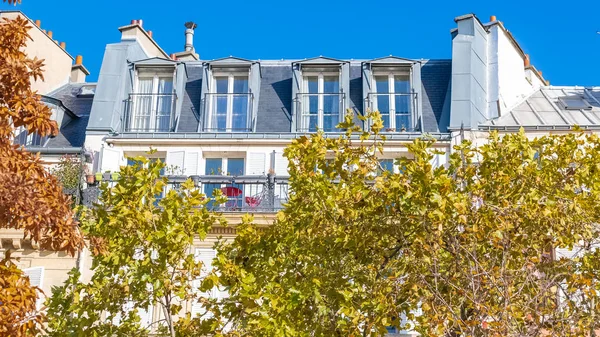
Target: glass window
233 192
321 103
393 99
152 104
230 104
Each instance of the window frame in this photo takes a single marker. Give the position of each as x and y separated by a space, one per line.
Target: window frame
231 75
391 74
304 117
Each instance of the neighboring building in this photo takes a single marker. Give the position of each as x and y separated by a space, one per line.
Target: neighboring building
64 90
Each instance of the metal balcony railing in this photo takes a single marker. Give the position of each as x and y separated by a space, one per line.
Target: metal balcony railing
150 113
228 112
246 194
397 110
319 111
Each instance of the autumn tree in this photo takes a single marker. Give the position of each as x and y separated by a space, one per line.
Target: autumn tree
31 199
143 260
465 249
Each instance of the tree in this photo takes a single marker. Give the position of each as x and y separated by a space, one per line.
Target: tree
464 249
31 199
142 258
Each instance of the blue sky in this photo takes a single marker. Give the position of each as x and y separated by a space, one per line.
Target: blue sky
561 39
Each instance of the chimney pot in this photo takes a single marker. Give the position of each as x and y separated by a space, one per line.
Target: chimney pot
150 33
63 45
189 36
140 22
38 23
539 71
49 34
527 61
79 60
492 18
133 22
173 57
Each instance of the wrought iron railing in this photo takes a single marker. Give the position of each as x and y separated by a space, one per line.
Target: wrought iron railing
228 112
246 194
397 110
149 113
319 111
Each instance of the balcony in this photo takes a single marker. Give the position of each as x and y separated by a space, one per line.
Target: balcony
150 113
397 110
319 111
245 194
229 112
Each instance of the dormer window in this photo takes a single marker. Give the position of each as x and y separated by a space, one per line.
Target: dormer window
392 98
229 104
152 102
321 102
392 86
231 87
320 87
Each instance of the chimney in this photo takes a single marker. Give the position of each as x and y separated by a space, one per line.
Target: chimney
49 34
38 23
189 36
78 71
527 61
63 45
493 18
149 33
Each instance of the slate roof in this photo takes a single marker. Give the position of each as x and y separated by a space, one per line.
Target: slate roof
551 107
275 98
77 99
190 108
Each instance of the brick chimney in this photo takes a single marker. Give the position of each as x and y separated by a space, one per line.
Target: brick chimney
78 71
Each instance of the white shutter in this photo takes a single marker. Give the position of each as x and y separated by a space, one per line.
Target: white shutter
175 160
191 163
111 159
206 256
145 316
280 164
256 163
36 276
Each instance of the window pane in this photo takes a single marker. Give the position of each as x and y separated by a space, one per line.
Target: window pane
313 84
311 105
221 83
240 84
235 166
142 105
382 99
331 84
213 166
240 104
386 165
164 104
220 118
402 83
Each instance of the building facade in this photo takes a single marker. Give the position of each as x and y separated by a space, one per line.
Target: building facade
226 122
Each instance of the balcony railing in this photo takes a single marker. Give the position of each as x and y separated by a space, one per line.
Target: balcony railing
229 112
150 113
319 111
397 110
246 194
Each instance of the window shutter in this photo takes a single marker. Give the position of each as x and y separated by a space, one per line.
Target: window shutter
345 86
256 163
279 164
175 158
255 90
145 316
366 83
191 163
296 89
204 255
111 159
417 106
36 275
